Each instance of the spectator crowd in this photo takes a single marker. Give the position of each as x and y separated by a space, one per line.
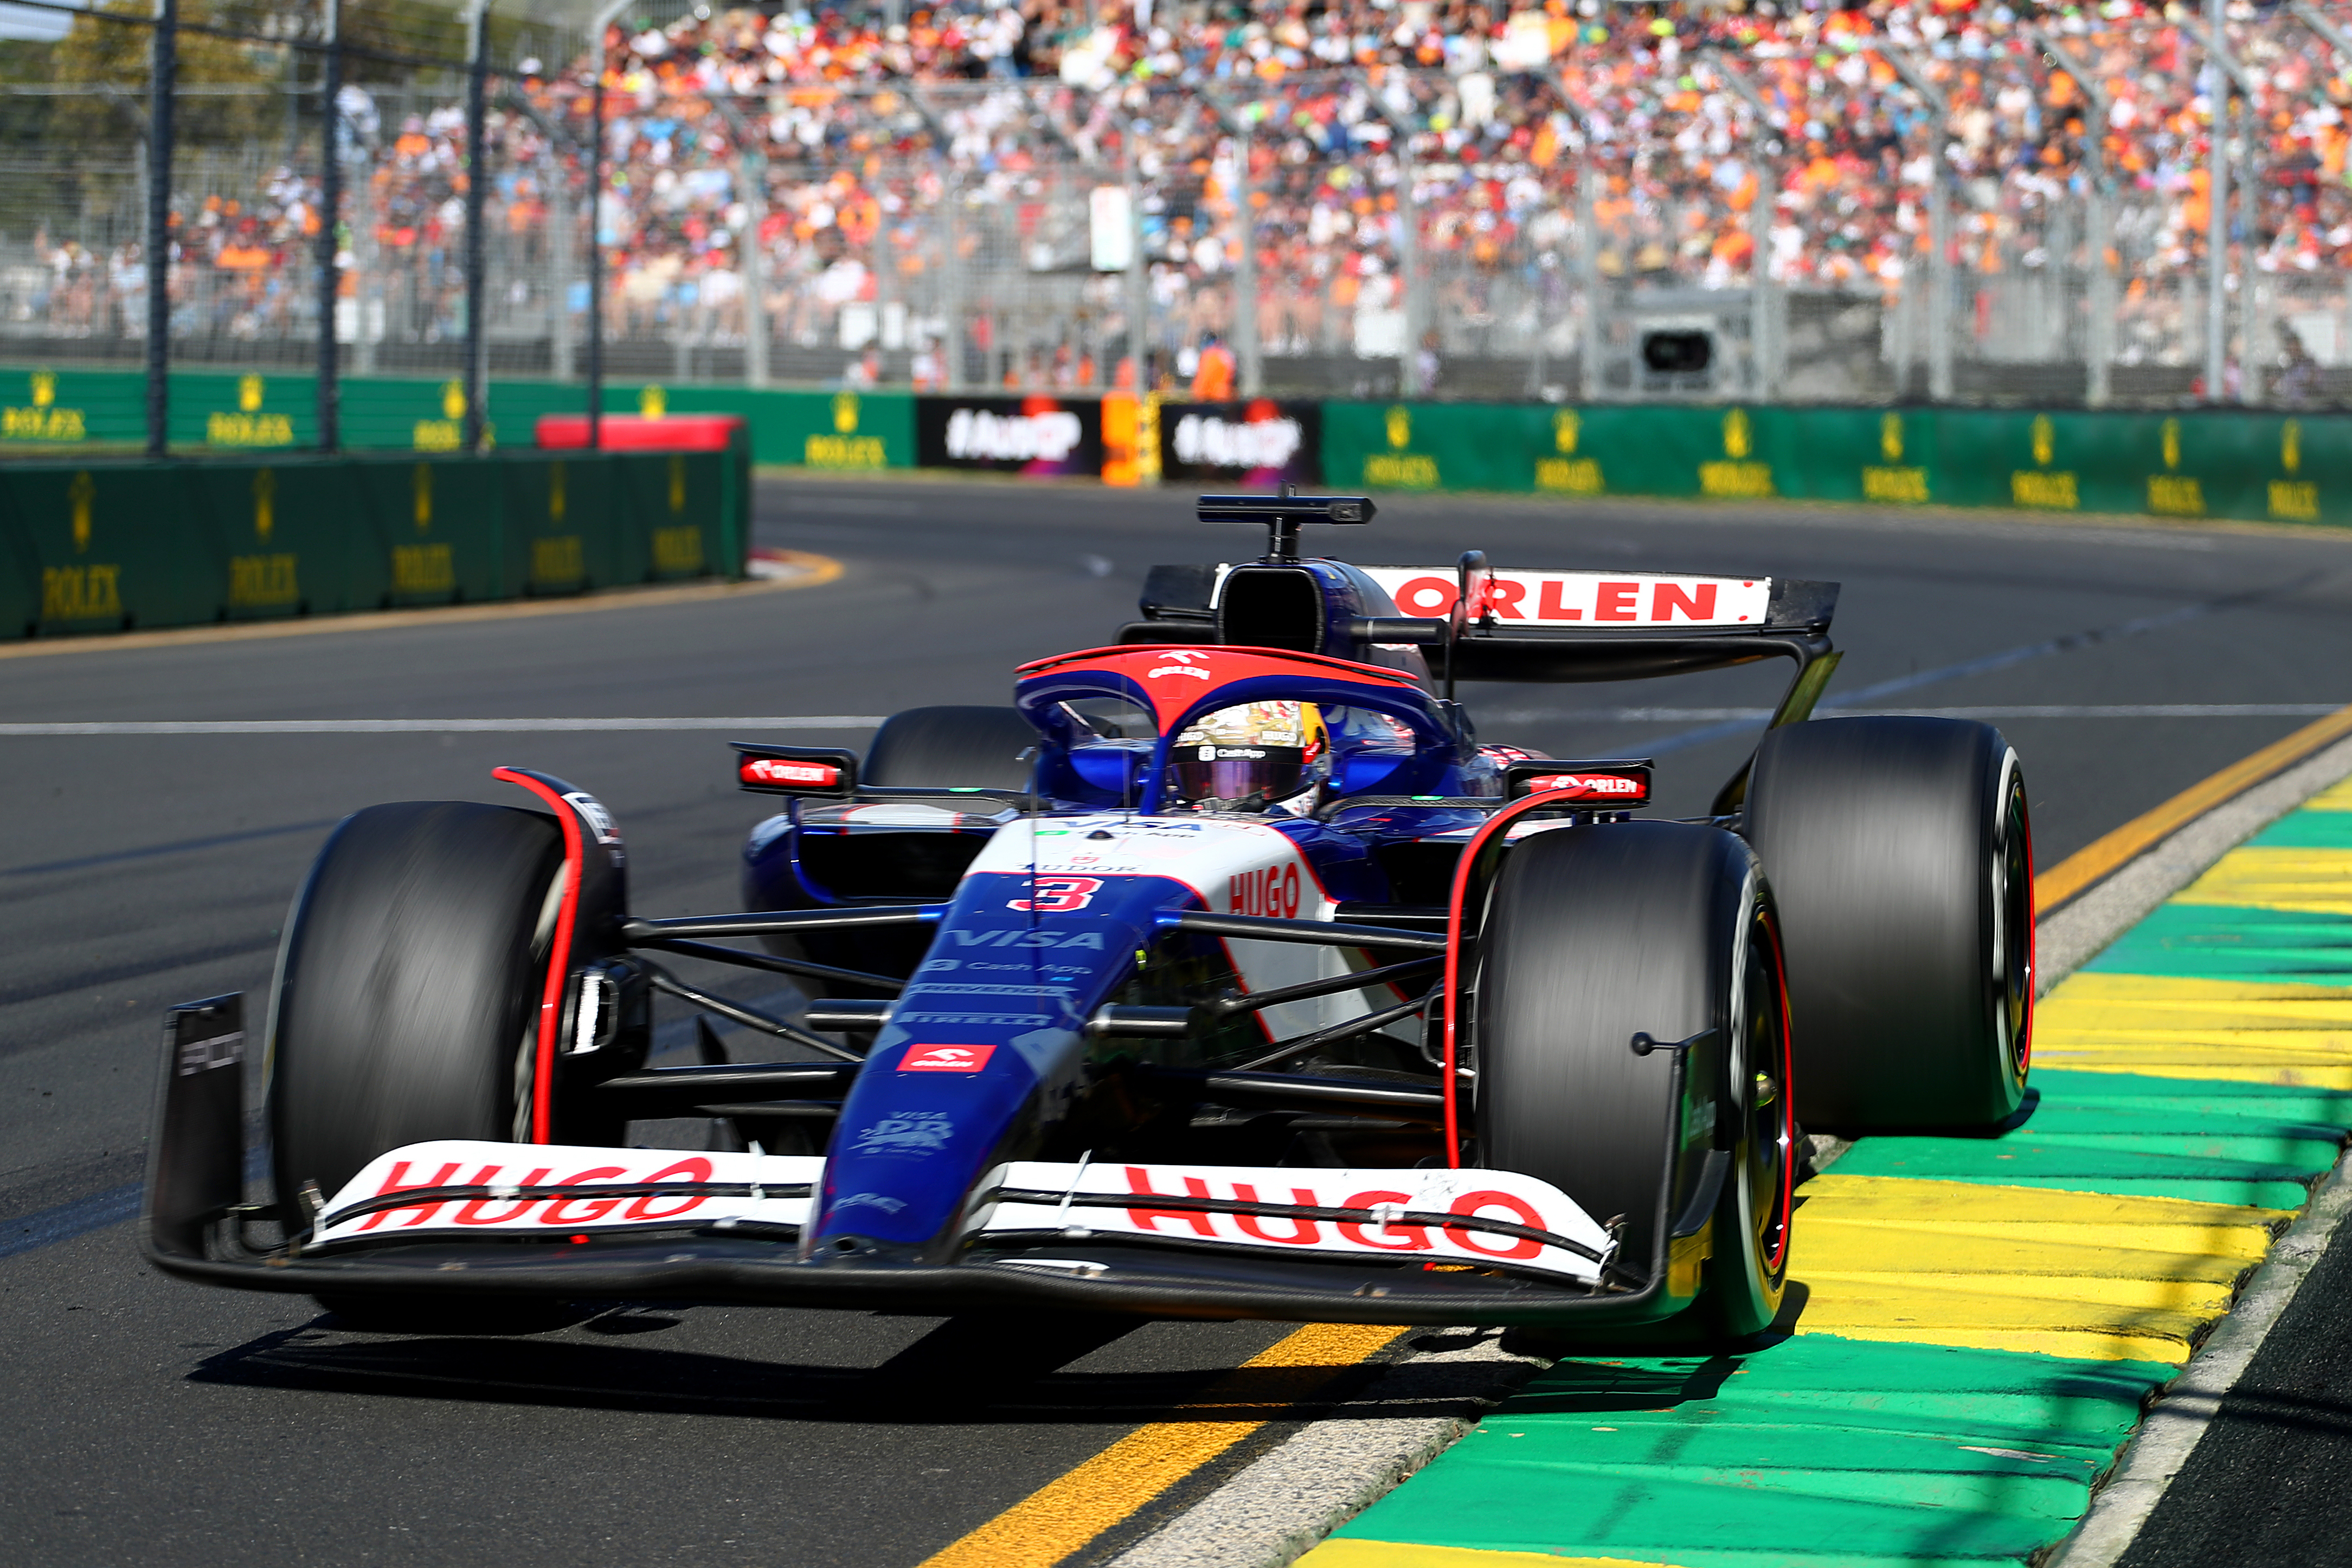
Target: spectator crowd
1431 179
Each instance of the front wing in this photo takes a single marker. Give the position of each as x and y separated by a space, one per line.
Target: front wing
1407 1246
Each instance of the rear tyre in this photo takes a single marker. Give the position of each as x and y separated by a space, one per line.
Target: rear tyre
1900 855
1596 934
966 747
406 998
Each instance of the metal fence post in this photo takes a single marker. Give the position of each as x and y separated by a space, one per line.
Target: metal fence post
555 139
162 73
596 254
1764 374
1940 228
331 206
1409 281
604 19
2099 340
1139 276
751 260
879 262
477 170
1409 270
1247 349
951 323
559 262
2217 213
1588 231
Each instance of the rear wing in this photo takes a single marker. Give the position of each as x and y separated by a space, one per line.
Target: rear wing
1482 623
1517 624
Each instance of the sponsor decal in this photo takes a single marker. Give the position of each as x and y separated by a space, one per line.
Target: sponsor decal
951 1058
1018 435
510 1173
1583 598
1259 442
1017 938
593 812
905 1133
868 1200
1414 1213
1182 663
1624 787
1030 1020
952 989
1057 895
975 432
784 771
1273 890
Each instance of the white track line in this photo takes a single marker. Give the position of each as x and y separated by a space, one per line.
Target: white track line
2090 710
430 726
872 720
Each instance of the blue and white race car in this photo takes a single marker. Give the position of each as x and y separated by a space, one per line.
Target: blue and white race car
1224 973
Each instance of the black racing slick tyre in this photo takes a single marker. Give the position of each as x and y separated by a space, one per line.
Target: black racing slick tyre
1900 858
1595 934
953 748
408 988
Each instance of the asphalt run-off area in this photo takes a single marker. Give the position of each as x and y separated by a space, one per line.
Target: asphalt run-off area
165 801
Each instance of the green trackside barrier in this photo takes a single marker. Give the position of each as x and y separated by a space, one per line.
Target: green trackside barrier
96 546
564 508
228 411
443 524
852 432
46 409
2278 467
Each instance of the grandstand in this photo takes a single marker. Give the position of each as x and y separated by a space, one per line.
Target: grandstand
1443 198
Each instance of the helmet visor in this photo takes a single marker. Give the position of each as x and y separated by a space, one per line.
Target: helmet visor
1238 775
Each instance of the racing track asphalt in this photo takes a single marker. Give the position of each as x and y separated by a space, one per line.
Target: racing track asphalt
145 1419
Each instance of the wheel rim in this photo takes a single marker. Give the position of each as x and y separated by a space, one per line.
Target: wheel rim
2013 933
1773 1120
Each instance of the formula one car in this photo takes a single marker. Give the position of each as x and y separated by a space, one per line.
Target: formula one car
1224 973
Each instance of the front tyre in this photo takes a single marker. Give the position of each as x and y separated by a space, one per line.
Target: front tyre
1596 934
406 998
1749 1272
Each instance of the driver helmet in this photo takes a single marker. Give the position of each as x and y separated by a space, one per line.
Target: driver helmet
1251 757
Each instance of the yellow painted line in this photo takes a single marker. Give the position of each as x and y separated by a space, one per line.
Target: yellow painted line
2244 1031
818 570
2334 797
2307 882
1063 1516
2094 861
2089 1274
1349 1553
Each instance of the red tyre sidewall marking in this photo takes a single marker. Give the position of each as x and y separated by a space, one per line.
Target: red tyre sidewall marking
1462 871
1788 1101
2032 937
559 957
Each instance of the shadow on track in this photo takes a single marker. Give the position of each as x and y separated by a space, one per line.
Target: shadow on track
973 1369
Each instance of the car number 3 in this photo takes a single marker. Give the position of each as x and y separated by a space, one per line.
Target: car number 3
1058 895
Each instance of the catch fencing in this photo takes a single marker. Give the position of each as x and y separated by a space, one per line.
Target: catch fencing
2012 218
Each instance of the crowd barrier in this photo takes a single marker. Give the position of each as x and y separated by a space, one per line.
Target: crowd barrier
2253 466
88 546
2279 467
